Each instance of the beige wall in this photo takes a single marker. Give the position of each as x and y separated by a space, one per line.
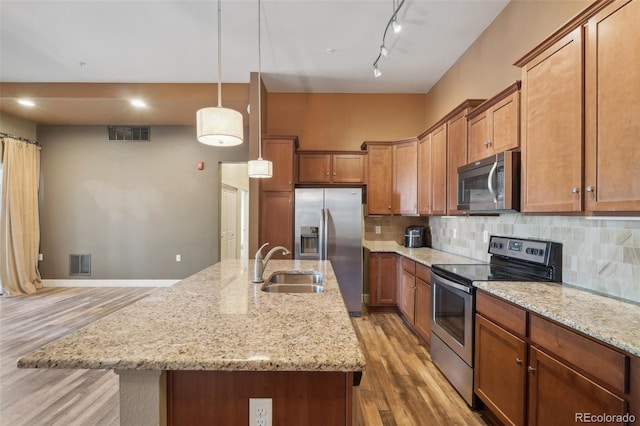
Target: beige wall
17 126
487 66
343 121
132 205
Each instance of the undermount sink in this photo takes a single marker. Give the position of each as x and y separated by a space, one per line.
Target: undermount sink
294 282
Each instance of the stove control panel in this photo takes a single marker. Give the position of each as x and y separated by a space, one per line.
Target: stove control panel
522 249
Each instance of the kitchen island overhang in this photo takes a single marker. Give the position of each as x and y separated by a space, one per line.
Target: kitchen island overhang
215 321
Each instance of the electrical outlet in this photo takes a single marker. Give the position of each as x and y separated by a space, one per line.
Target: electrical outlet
260 411
485 236
378 230
40 257
455 233
178 258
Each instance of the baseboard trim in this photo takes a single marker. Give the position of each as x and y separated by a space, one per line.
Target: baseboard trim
108 283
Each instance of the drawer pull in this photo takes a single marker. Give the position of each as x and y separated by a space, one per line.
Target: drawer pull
518 361
530 369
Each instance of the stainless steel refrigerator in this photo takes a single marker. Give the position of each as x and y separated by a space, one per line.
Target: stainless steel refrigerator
328 226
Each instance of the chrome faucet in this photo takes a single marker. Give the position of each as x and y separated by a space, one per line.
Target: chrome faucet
260 263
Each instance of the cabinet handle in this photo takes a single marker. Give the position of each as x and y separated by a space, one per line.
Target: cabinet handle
518 361
590 189
530 369
575 190
489 143
486 144
334 173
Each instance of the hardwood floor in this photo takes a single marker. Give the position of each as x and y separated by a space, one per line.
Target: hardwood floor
36 397
399 387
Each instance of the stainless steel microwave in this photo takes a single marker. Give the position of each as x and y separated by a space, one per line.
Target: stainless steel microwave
491 185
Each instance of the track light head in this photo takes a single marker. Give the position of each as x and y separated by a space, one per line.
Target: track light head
384 51
376 71
396 26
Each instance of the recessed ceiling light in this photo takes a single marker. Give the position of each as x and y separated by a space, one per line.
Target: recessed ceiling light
138 103
330 51
26 102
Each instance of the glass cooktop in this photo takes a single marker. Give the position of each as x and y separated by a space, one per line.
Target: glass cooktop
466 274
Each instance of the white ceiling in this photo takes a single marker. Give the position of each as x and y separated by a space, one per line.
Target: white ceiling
175 41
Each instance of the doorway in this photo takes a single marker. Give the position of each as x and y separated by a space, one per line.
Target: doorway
234 211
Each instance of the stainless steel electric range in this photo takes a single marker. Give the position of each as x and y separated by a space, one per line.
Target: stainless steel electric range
453 299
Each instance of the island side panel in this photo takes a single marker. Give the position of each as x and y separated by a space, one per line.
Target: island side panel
142 397
222 397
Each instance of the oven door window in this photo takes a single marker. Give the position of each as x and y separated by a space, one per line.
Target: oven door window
449 312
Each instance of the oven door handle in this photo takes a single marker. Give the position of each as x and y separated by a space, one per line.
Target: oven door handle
440 280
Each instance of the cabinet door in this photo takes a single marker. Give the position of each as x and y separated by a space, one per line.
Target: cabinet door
346 168
314 168
407 295
456 157
379 179
405 181
276 220
500 371
382 279
424 174
439 171
612 127
479 137
281 153
423 309
505 124
552 128
557 393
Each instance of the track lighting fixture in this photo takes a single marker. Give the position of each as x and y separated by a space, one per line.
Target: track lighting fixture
395 25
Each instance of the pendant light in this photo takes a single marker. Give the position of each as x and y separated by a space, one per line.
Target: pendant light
260 168
218 126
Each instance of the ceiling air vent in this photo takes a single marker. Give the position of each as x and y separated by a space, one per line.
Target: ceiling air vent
128 134
79 264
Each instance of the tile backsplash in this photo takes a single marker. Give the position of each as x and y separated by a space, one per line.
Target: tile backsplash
601 254
391 227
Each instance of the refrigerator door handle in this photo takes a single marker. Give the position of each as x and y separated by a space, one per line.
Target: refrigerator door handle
321 235
325 234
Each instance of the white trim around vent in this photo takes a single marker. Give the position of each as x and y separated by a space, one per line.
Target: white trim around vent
108 283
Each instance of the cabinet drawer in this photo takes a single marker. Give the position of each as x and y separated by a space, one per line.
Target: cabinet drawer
503 313
605 364
409 265
423 272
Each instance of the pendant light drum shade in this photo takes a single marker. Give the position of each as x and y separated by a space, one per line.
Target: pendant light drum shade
260 168
218 126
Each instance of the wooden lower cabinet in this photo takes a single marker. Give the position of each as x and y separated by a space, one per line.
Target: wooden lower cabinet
222 397
500 372
559 395
423 309
407 295
382 279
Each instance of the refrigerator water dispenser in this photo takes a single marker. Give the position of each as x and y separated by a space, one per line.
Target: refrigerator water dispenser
309 242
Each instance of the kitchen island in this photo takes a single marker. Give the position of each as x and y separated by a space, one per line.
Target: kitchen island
207 344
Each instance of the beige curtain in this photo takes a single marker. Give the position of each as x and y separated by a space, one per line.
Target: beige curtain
19 220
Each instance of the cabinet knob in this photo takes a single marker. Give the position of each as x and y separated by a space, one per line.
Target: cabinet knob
518 361
389 207
489 143
575 190
334 173
530 369
327 173
591 189
486 144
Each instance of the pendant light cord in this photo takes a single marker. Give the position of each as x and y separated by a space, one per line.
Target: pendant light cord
219 55
259 85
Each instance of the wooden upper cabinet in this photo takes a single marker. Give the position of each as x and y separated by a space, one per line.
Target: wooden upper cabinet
405 179
494 126
379 177
439 170
280 151
612 114
552 147
276 220
331 167
424 174
457 151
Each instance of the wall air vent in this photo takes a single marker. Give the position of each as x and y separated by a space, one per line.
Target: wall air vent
128 134
80 264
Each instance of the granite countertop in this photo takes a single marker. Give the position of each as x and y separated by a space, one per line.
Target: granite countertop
426 256
610 320
217 319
